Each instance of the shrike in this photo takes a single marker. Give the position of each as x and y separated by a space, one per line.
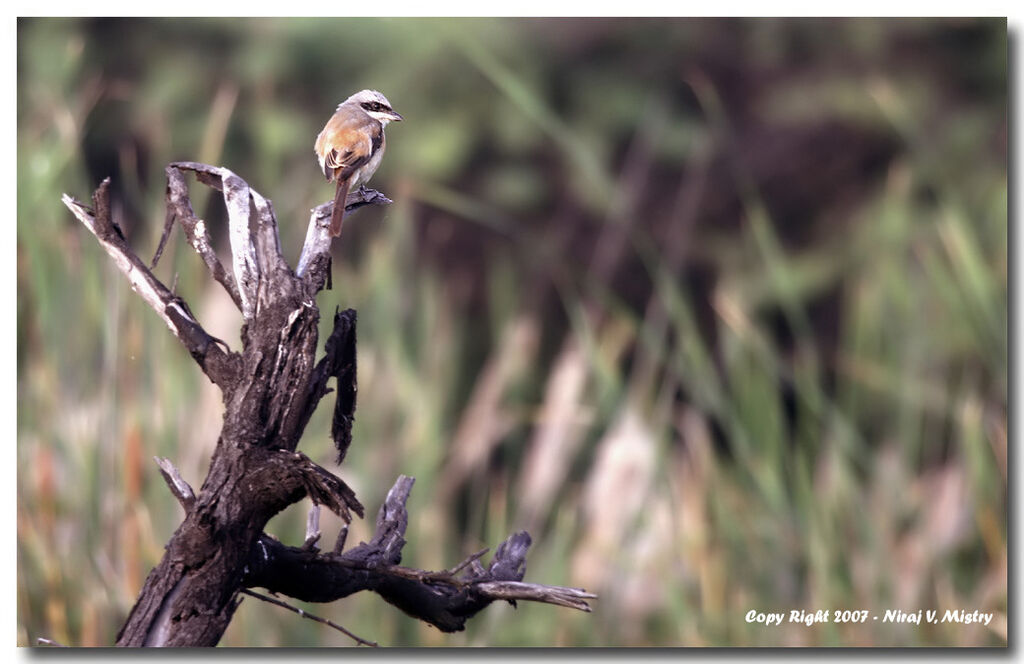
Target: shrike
351 145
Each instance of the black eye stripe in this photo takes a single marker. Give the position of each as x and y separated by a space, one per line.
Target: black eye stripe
374 106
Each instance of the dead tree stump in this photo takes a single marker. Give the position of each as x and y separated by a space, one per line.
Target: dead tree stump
270 389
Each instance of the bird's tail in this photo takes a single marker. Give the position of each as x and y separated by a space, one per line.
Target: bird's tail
338 214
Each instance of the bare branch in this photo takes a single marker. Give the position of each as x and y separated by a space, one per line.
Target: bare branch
574 598
179 206
178 486
322 487
273 270
453 572
392 519
339 544
339 361
305 614
215 362
237 199
266 236
50 642
312 528
317 247
445 599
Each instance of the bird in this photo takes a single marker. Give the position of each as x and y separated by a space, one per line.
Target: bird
351 145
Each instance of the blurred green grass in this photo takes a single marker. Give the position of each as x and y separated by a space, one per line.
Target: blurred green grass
696 409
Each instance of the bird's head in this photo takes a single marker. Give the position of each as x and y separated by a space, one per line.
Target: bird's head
375 104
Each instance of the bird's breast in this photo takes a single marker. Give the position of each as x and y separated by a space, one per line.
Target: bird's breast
363 175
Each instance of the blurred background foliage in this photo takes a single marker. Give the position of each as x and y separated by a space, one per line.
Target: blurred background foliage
716 309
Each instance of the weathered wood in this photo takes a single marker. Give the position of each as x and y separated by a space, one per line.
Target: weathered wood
179 208
445 599
271 388
219 364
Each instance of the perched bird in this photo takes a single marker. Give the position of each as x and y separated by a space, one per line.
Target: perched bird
351 145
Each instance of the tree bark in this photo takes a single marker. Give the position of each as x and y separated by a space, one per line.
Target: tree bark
271 388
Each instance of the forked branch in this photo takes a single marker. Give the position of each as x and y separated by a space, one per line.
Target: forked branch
271 388
445 599
213 356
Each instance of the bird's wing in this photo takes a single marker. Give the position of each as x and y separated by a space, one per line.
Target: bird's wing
346 143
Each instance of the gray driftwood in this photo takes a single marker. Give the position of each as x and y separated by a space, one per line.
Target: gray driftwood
270 389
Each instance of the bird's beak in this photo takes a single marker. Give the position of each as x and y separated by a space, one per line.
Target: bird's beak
395 116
